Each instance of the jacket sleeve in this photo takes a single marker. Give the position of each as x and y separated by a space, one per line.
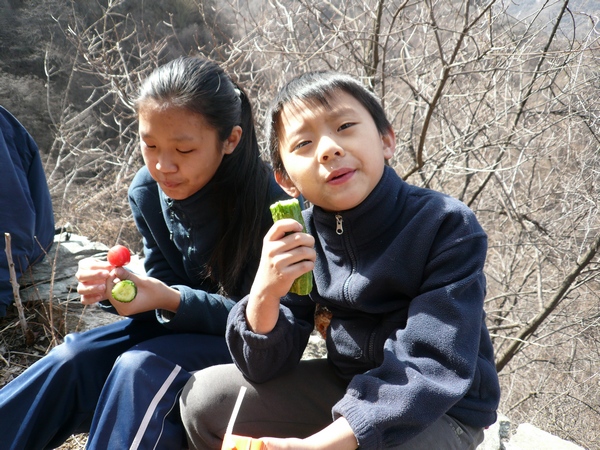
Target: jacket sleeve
430 364
263 357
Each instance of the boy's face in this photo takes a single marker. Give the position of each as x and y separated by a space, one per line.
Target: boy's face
333 156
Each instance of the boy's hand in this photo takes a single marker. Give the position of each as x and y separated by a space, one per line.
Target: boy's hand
336 436
287 253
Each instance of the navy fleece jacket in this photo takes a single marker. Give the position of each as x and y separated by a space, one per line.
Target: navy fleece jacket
178 237
403 277
25 205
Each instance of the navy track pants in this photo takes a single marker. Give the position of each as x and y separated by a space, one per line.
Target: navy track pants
119 382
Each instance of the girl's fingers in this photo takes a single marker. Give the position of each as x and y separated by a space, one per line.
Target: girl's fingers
92 271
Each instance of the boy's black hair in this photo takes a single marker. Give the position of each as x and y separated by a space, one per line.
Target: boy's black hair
319 88
201 86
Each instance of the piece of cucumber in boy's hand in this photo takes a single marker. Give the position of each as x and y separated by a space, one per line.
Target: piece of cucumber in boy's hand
125 290
290 209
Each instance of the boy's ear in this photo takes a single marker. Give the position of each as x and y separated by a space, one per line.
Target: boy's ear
389 143
286 184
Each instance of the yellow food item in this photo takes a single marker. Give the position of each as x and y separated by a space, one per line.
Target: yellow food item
235 442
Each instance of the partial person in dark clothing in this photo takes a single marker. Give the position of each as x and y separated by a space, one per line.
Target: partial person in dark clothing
410 363
25 205
201 204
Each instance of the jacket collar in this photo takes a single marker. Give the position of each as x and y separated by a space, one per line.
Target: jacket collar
372 217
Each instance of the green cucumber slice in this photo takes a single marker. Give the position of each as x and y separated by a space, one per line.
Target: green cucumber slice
124 291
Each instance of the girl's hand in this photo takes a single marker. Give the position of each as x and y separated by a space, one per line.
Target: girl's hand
151 294
97 278
92 275
287 253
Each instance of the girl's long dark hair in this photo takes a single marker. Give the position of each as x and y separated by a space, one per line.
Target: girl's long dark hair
201 86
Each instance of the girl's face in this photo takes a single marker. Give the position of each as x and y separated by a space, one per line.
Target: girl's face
333 156
182 152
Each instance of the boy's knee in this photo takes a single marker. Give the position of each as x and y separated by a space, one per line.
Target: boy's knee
206 403
201 394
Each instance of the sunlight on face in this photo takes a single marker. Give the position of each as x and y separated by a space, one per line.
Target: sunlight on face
182 152
333 155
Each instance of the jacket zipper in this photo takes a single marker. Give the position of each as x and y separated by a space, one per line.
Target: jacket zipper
339 228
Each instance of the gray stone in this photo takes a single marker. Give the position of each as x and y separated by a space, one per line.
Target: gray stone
54 277
497 435
528 437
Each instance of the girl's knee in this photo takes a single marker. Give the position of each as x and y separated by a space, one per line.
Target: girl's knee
72 351
132 362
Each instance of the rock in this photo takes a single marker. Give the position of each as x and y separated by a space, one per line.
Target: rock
496 435
315 347
528 437
54 278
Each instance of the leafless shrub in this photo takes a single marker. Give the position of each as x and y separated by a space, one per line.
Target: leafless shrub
494 105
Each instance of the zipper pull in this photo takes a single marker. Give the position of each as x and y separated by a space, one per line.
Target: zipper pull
339 229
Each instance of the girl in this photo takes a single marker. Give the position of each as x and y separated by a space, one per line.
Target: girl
201 203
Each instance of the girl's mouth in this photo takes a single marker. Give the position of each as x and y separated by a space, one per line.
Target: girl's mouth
170 184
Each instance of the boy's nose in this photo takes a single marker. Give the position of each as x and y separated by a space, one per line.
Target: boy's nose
329 148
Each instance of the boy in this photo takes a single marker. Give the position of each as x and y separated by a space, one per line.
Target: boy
410 362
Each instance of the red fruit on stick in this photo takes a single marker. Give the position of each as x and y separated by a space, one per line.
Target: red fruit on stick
118 256
125 290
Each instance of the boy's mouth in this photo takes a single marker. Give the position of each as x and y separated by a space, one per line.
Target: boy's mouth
340 176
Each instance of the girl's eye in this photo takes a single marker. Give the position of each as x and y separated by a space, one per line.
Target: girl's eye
185 152
345 125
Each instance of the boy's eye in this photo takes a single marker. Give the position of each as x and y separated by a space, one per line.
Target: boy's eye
301 144
345 125
184 152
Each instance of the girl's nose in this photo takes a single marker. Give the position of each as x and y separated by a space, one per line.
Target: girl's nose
328 148
165 165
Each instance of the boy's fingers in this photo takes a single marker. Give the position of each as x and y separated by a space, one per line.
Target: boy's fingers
300 239
283 227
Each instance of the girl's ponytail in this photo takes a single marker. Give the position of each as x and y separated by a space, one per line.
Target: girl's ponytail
246 177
